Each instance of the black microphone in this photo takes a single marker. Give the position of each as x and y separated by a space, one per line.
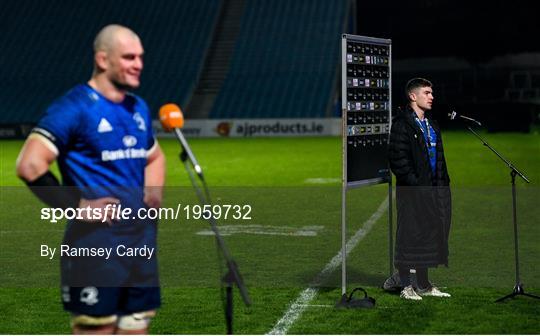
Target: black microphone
452 115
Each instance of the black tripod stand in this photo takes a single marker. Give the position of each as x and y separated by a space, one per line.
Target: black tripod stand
518 287
232 277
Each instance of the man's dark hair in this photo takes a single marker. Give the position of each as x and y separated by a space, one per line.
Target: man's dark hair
416 83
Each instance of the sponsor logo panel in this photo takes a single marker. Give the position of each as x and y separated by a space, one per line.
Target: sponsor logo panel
243 128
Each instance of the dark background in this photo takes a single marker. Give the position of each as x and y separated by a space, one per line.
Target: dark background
474 30
483 57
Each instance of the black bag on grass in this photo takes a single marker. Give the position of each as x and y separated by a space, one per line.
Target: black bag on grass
350 302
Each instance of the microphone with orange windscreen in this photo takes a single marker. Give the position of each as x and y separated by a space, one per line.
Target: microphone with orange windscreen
172 119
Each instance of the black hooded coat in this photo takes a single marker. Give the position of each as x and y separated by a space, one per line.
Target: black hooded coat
424 203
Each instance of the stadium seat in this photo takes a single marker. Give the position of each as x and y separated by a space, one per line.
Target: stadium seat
47 48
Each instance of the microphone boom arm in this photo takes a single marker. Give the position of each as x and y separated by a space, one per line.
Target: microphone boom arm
188 151
508 163
452 115
471 119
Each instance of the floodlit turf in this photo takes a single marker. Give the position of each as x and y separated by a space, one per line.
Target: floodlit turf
294 233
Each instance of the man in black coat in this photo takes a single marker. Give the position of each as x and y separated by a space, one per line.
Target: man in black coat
422 193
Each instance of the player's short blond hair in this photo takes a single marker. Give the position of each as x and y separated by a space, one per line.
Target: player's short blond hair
105 38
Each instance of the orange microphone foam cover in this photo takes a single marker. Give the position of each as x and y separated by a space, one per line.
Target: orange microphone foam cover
171 116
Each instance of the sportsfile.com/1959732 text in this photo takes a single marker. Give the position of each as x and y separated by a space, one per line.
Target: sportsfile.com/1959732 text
116 212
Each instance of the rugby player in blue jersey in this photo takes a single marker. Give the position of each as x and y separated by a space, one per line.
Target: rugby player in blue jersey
101 136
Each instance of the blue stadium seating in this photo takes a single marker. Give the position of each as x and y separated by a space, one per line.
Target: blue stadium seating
284 63
46 48
285 60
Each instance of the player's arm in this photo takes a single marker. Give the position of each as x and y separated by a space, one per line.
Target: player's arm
399 155
33 163
35 158
440 148
154 177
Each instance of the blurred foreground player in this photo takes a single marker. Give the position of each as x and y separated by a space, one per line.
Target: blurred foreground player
102 137
422 193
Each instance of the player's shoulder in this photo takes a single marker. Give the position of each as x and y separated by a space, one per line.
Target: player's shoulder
78 98
403 116
399 120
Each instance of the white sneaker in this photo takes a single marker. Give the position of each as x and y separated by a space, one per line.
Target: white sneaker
408 293
433 291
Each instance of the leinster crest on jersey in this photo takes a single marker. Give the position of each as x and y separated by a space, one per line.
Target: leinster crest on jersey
141 124
89 295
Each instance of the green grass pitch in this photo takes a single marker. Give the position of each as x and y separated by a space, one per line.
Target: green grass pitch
293 186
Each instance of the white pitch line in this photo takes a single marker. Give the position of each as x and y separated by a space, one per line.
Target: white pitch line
302 301
322 180
321 306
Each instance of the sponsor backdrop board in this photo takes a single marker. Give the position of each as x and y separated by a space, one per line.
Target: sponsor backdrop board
366 106
366 86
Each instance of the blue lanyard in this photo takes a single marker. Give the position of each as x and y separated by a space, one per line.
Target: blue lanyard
429 138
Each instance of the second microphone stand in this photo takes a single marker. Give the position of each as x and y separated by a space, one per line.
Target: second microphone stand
233 276
518 287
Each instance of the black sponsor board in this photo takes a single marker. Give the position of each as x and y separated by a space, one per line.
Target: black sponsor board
366 106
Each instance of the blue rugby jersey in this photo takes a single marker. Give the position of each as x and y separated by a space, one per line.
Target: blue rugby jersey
100 144
431 143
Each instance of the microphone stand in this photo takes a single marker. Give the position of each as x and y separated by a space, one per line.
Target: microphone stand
233 276
518 287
